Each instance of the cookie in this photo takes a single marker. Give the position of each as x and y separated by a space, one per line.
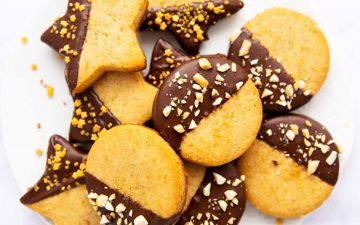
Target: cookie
165 57
220 198
134 177
204 106
188 20
194 176
288 67
291 168
90 24
61 188
117 98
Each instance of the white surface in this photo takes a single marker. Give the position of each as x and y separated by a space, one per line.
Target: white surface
343 204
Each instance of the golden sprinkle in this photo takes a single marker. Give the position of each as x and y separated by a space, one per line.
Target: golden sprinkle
50 91
39 152
34 67
24 40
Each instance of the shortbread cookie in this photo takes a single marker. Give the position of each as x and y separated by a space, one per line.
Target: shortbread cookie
189 20
124 98
165 57
292 167
194 176
220 198
97 36
285 54
204 106
134 177
61 189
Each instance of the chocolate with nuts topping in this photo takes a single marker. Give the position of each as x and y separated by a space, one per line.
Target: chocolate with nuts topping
220 198
115 208
278 90
65 167
189 22
191 93
165 58
67 36
305 141
90 117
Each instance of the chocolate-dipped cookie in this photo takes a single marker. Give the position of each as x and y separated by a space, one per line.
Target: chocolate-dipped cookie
165 57
292 167
61 188
208 110
220 199
124 98
188 20
134 177
285 54
89 39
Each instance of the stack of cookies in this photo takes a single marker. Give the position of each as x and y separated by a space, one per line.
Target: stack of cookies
199 135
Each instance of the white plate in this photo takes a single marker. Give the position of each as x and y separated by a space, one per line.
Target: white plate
25 102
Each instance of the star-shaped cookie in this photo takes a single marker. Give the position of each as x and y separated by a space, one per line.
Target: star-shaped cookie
96 36
188 20
61 189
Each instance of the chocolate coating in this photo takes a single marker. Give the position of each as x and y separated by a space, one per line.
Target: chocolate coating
208 206
64 170
278 90
179 92
313 142
89 118
165 57
131 209
189 22
67 36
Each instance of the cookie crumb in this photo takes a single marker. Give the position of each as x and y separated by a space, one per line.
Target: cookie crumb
39 152
34 67
24 40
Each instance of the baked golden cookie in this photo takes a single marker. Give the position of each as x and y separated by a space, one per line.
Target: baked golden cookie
96 36
188 20
194 176
285 54
292 167
204 106
134 177
220 199
165 57
116 98
61 189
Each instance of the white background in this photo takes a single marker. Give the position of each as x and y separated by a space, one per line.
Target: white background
341 17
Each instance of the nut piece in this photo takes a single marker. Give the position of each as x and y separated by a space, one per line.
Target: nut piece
204 64
207 190
223 205
120 208
198 78
235 35
140 220
312 166
179 128
245 48
332 157
290 135
266 93
223 68
217 101
230 194
192 125
220 180
104 220
167 110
